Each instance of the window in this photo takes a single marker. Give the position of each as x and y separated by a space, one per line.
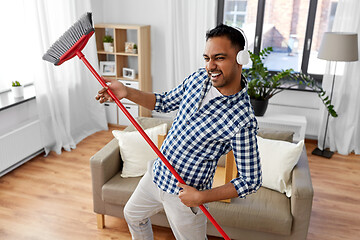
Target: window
235 12
293 29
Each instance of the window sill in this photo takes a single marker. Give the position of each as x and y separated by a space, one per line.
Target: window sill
7 99
301 88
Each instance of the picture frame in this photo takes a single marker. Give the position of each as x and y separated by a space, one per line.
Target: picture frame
129 73
107 68
129 46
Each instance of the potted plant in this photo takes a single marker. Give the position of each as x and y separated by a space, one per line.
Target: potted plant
135 48
108 43
263 84
17 89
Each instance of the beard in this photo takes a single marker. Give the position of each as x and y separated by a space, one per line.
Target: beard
219 80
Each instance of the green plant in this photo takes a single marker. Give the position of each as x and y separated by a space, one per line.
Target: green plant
108 38
16 84
308 81
135 46
263 84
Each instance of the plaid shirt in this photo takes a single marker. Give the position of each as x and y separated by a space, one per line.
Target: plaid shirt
199 137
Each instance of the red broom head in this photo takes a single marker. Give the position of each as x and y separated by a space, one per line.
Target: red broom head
72 41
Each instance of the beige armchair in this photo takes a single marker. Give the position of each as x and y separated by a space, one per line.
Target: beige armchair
266 214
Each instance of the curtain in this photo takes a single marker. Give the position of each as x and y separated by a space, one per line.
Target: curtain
65 94
189 21
344 131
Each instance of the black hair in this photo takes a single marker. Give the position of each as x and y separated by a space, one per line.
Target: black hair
234 35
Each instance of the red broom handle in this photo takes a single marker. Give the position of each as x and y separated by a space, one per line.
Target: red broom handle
148 140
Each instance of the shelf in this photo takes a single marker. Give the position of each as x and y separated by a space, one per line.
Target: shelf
118 53
126 54
128 79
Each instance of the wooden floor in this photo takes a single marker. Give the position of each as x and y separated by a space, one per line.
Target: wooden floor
50 198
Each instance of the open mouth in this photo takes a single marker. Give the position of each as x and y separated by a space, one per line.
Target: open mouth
215 75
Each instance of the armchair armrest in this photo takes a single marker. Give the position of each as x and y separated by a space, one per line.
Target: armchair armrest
301 180
302 197
105 164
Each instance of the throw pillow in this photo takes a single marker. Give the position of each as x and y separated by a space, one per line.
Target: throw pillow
135 151
278 158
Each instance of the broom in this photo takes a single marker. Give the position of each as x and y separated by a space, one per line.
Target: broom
70 44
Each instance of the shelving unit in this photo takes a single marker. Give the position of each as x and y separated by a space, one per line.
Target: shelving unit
140 62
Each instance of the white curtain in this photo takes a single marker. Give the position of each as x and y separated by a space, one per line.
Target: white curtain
65 94
344 131
189 21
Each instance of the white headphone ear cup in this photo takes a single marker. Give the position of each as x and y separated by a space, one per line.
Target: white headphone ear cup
246 57
243 57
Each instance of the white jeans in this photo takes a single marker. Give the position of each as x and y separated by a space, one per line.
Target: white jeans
148 199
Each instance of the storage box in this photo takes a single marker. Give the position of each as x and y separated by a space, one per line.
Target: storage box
131 84
111 112
133 110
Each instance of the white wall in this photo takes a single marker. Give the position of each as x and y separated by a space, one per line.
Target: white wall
97 10
154 13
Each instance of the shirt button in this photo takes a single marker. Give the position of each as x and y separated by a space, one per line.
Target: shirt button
187 122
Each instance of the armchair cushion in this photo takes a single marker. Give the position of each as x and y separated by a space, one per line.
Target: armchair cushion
135 151
116 185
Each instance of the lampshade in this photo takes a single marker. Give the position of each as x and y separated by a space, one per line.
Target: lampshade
339 46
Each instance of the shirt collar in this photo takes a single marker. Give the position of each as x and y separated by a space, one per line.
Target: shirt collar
232 98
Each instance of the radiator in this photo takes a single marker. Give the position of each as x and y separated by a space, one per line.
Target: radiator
311 115
299 103
19 145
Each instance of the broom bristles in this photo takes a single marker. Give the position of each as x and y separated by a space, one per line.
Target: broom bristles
82 27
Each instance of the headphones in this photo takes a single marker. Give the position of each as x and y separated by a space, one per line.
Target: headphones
243 56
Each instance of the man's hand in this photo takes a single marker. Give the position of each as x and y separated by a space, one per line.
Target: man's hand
189 196
116 87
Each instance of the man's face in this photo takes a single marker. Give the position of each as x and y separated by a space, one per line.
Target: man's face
221 65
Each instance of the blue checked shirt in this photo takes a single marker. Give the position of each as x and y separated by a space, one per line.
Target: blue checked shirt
199 137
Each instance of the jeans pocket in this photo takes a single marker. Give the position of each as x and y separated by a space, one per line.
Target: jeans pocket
195 210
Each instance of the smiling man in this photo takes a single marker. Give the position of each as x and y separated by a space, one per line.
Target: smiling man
214 116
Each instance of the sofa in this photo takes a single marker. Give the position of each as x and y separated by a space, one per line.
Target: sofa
266 214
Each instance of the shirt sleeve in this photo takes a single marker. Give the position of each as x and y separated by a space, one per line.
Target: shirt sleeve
245 148
170 101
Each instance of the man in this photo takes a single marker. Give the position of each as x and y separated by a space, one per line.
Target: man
214 116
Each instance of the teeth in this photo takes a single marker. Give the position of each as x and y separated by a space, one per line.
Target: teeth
215 74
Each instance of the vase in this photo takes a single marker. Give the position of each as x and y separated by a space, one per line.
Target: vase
108 47
259 106
18 91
